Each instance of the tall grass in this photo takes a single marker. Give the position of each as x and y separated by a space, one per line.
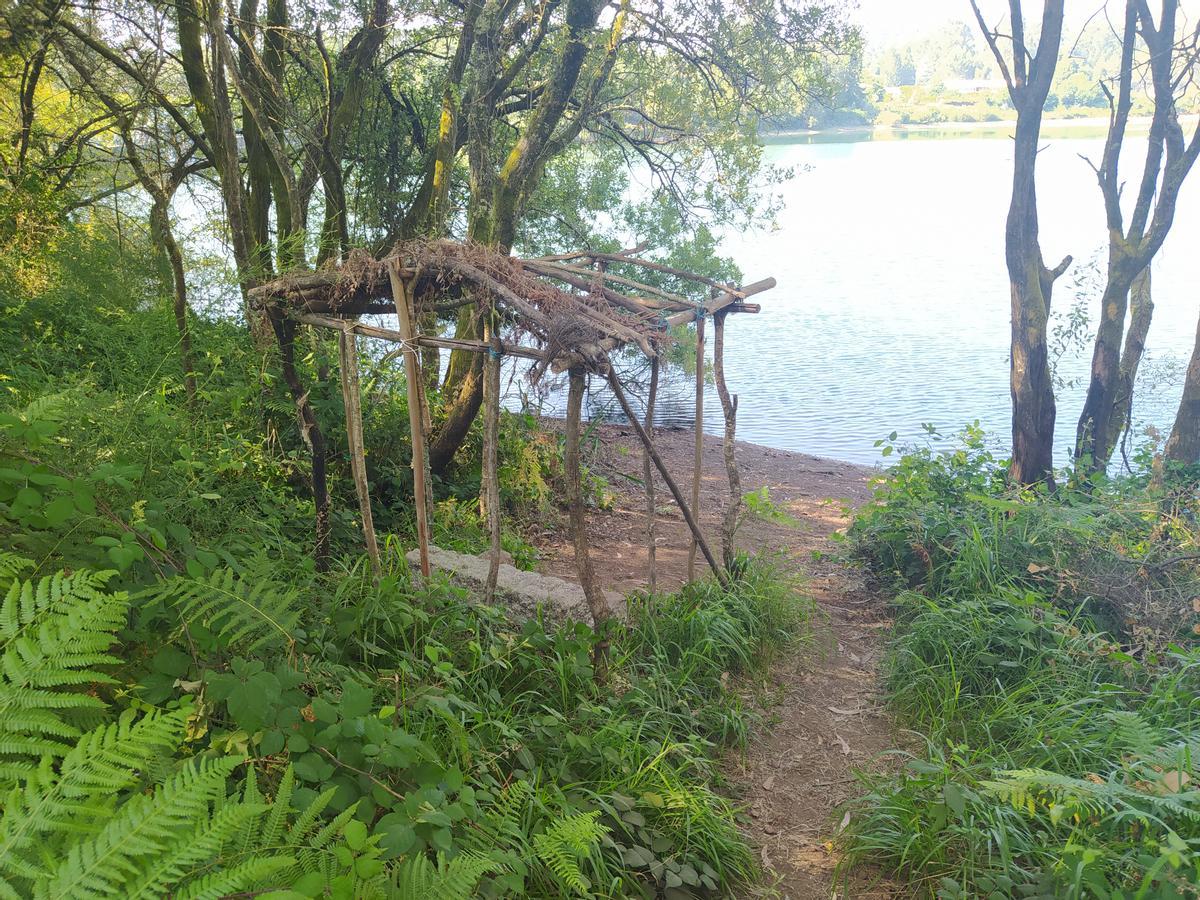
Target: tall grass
1050 756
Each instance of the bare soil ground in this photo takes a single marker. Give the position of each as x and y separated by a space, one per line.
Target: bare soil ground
825 717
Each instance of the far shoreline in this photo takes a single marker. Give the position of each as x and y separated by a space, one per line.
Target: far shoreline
1080 123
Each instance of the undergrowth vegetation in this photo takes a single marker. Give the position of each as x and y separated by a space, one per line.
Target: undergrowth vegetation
1045 659
188 708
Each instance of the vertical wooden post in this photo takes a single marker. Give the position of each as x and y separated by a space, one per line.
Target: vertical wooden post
426 429
698 464
490 486
615 384
648 478
402 297
583 563
352 401
729 405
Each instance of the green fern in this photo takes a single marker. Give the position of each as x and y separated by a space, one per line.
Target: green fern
457 879
148 827
248 614
53 633
303 839
499 825
11 565
76 798
561 847
1152 789
81 832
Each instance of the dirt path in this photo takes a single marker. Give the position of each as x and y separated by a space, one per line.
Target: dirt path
825 719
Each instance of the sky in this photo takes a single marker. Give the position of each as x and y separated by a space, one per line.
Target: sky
887 22
896 21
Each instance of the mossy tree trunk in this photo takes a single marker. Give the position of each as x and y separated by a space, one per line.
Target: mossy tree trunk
1133 245
1028 77
1183 446
1141 310
498 195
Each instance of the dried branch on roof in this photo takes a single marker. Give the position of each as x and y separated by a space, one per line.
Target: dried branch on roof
576 314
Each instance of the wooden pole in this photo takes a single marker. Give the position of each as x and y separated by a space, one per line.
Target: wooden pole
729 405
698 461
352 401
615 384
490 493
648 478
412 374
583 563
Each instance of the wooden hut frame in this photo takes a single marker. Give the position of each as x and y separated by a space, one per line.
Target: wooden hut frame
567 312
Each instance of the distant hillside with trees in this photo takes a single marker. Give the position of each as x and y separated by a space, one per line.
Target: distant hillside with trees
949 76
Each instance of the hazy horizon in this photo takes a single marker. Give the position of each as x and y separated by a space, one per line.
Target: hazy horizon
886 22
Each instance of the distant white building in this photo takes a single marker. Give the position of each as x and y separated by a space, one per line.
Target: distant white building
974 85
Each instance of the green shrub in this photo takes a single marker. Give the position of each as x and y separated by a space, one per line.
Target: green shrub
1059 755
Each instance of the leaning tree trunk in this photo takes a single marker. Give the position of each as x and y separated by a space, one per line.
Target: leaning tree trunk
499 192
1141 311
1096 425
1183 445
160 228
462 395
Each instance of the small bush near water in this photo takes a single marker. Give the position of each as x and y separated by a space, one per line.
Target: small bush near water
1045 654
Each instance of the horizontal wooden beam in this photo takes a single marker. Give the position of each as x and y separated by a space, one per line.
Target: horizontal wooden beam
423 340
726 301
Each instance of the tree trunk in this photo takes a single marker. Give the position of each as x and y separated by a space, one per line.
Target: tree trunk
462 394
498 196
1183 446
1030 383
1132 248
310 431
1141 311
1092 446
1028 76
160 229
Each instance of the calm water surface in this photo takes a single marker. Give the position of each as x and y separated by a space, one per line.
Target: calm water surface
892 305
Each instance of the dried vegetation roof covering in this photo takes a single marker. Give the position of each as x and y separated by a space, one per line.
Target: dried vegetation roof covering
570 304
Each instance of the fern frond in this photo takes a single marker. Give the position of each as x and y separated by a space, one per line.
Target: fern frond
249 614
12 565
233 880
54 631
145 827
300 829
499 825
1133 734
561 846
82 793
453 880
204 843
1138 793
273 828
